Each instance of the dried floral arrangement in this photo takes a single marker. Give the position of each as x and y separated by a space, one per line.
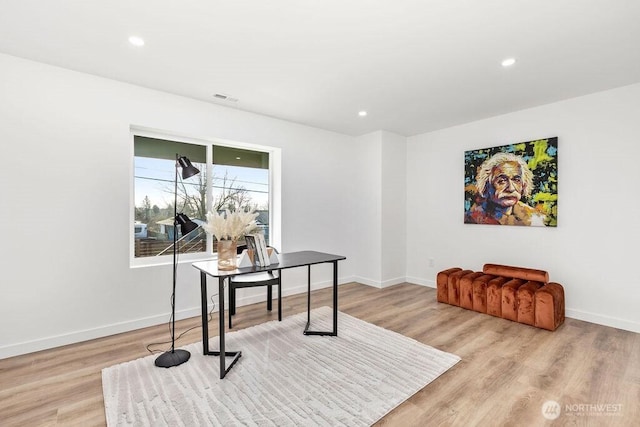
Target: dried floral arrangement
231 225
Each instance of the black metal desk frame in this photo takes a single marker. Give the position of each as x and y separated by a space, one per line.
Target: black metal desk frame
287 260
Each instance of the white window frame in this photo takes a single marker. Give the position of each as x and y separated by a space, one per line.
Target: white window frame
275 198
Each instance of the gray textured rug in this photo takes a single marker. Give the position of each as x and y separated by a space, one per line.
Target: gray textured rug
282 379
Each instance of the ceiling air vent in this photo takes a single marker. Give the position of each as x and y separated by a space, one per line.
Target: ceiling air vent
223 97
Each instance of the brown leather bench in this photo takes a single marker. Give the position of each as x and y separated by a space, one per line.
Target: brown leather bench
523 295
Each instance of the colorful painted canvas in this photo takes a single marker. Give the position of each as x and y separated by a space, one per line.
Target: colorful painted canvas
513 184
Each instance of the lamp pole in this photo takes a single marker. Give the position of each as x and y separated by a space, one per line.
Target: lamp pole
177 357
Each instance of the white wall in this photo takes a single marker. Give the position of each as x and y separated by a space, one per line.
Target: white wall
66 179
366 229
368 200
592 252
394 200
380 201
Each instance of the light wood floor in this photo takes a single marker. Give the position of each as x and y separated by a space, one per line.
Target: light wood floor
507 372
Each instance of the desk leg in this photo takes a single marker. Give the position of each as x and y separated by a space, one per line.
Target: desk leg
308 298
279 295
222 353
221 324
333 333
205 317
335 298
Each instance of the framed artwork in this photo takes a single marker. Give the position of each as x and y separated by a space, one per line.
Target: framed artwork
514 184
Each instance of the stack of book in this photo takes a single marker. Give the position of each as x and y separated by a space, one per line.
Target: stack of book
257 244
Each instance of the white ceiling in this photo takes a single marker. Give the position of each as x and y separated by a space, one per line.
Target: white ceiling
414 65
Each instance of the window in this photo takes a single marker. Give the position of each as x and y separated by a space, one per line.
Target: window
241 179
154 185
230 178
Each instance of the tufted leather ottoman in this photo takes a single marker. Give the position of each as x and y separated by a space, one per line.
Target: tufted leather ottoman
520 294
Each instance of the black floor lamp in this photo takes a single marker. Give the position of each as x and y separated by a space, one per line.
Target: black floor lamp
176 357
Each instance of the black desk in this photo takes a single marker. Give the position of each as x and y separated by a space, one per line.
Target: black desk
287 260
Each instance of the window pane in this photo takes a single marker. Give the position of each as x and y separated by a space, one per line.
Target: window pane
241 181
154 185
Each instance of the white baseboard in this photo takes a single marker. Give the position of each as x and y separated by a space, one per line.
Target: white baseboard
379 284
391 282
116 328
421 282
368 282
93 333
599 319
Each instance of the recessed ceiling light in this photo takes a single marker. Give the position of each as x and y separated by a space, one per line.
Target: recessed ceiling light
362 113
136 41
508 62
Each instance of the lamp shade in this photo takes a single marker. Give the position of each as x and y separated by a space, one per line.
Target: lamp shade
186 225
188 170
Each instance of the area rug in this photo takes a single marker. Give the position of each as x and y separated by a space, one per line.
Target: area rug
283 378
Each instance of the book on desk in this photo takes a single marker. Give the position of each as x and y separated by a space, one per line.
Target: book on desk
257 252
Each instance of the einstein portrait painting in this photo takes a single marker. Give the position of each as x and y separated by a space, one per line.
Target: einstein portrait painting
513 184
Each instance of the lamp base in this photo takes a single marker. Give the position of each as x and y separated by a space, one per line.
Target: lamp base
172 358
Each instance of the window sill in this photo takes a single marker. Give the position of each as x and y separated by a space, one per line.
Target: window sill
168 260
